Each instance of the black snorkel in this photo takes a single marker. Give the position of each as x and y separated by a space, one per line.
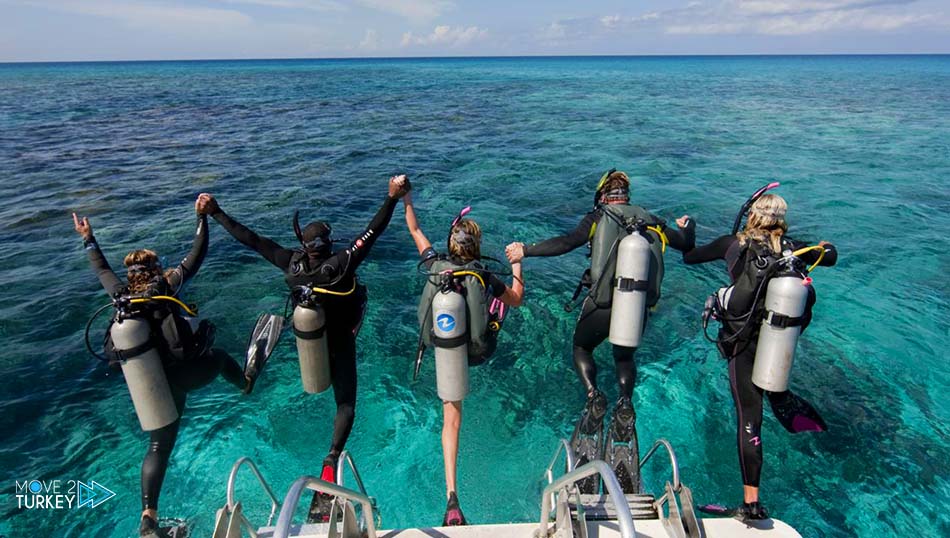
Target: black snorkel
748 203
297 231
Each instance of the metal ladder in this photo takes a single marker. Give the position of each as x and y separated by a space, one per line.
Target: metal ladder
572 510
345 520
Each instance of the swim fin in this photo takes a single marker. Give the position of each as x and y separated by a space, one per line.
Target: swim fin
587 441
753 511
321 506
795 414
623 451
260 345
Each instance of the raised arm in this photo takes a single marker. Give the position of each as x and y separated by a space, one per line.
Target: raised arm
180 275
555 246
422 242
270 250
514 295
360 247
683 237
107 277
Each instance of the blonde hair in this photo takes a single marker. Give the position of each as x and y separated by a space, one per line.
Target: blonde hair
766 222
150 268
465 241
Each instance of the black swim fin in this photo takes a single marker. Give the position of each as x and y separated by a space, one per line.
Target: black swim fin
587 441
795 414
260 345
623 450
753 511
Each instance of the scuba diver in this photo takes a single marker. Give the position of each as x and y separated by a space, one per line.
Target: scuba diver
163 350
458 288
762 313
329 305
626 270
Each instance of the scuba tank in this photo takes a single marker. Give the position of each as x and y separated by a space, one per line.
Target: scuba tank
143 372
631 283
785 301
310 333
450 337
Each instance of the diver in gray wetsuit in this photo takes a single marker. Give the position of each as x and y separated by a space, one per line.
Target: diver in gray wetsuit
188 370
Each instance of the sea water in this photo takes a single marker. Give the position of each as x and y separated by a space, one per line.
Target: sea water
861 146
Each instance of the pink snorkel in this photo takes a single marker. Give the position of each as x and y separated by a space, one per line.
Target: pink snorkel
748 203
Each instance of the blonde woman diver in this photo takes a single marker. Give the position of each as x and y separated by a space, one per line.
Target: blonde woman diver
481 288
746 253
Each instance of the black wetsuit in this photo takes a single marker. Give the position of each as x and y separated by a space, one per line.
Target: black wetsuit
593 324
740 352
183 376
344 313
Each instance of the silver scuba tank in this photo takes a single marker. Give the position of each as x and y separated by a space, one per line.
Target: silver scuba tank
785 301
310 332
144 374
449 324
631 282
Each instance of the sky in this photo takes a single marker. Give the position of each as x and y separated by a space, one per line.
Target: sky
76 30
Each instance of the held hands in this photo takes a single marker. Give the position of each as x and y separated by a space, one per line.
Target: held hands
823 244
515 252
82 227
206 204
682 221
399 186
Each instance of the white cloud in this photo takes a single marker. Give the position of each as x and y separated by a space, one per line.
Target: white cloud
445 36
370 42
416 10
785 7
152 15
313 5
728 17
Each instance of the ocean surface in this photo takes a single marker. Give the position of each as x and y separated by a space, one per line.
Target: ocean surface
861 146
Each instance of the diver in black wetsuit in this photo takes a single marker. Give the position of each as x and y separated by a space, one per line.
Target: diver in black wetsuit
315 264
145 278
763 232
594 321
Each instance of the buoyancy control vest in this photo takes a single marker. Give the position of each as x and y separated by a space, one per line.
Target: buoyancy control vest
177 336
741 306
481 336
605 238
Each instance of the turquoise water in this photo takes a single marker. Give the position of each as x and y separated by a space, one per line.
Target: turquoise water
861 145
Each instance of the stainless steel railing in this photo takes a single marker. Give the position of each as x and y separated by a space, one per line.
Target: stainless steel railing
232 479
284 520
673 462
614 491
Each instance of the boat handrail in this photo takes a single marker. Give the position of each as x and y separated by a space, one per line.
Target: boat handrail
284 520
232 479
564 447
614 491
345 458
673 461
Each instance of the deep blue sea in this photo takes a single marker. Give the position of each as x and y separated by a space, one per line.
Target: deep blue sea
860 144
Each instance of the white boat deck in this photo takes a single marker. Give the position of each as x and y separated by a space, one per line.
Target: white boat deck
564 511
714 528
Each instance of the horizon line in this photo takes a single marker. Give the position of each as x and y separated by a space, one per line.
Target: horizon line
485 57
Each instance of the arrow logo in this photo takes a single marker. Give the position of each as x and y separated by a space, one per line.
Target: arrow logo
93 495
445 322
